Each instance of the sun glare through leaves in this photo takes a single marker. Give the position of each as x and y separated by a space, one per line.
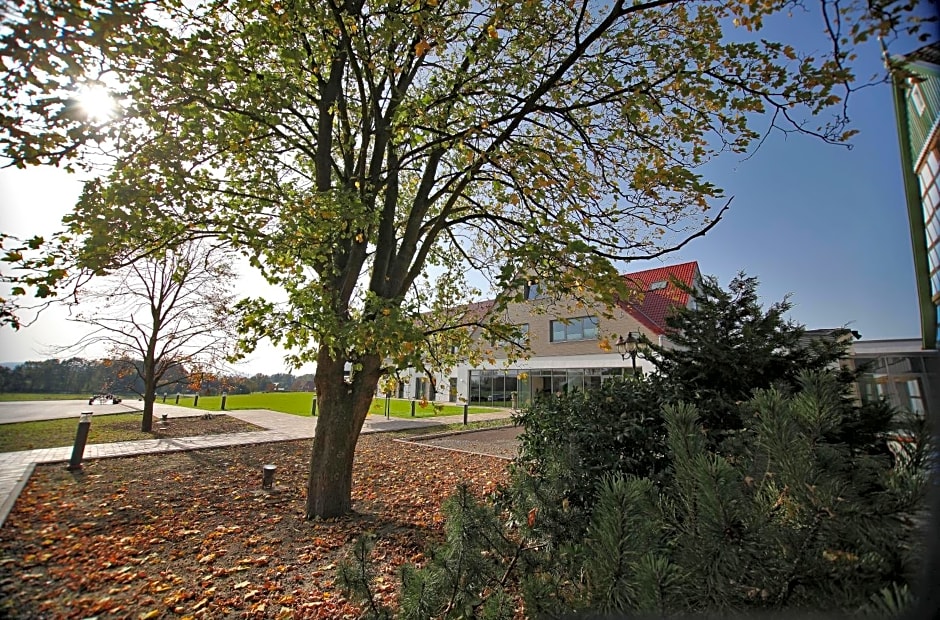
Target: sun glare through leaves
96 102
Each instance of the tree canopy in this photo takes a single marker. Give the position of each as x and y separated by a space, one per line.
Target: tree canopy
366 155
171 310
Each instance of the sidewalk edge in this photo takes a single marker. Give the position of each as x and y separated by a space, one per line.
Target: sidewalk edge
10 500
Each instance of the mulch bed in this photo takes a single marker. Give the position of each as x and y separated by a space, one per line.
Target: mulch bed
192 534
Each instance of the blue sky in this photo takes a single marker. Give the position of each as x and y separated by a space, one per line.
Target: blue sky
822 222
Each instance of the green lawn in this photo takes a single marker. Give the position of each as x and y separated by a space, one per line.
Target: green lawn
300 403
108 428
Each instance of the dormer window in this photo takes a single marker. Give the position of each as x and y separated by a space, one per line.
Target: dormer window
916 95
533 291
655 286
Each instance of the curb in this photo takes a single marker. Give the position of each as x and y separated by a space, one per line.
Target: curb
10 500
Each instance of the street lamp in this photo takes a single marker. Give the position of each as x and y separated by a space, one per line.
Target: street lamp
629 346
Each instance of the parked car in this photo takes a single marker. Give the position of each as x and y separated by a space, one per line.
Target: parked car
103 399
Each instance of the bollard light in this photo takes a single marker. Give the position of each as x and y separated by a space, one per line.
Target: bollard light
224 395
81 436
267 476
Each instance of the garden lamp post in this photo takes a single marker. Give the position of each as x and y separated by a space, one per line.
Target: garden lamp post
629 346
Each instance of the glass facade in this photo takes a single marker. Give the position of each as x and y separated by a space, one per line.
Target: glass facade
928 172
899 379
497 386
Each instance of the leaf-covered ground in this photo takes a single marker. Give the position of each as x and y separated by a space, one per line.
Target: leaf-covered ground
193 534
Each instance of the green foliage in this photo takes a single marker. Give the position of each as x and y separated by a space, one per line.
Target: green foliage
624 563
573 440
353 151
728 347
356 576
465 577
890 602
790 521
725 345
348 150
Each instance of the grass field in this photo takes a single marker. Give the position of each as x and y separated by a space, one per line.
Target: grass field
300 403
108 428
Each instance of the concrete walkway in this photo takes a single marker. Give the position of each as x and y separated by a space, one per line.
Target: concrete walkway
16 467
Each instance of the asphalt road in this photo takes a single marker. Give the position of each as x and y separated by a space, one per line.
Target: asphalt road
30 410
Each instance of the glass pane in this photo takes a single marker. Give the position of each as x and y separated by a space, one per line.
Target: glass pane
590 328
933 228
910 396
898 365
575 330
575 380
524 390
558 331
474 395
925 177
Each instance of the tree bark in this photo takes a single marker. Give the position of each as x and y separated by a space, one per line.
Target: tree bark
150 395
343 406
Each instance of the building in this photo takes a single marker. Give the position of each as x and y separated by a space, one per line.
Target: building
572 346
916 88
901 372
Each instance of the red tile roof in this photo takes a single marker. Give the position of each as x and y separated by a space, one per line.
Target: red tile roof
654 301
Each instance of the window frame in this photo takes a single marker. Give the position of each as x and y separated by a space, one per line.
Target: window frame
582 323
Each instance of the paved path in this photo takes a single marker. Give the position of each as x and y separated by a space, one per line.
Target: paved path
16 467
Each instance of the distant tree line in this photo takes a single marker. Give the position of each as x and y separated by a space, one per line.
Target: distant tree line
77 375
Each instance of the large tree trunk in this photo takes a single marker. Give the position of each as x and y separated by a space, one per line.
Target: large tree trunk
342 407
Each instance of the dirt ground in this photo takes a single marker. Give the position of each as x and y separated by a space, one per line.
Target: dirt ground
193 535
501 442
218 424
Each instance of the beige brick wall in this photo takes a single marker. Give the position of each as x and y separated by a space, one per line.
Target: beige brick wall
540 313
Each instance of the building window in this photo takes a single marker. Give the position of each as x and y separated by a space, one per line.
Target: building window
916 95
533 291
655 286
571 330
928 173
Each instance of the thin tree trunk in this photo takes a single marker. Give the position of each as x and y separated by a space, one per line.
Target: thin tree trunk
342 408
150 395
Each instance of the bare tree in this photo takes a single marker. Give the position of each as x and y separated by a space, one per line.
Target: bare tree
166 316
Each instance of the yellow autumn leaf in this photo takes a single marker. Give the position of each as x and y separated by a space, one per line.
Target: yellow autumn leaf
491 30
422 47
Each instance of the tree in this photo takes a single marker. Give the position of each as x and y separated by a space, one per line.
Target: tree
791 518
365 155
724 345
165 317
